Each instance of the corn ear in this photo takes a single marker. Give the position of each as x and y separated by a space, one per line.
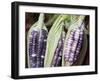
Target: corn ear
52 40
74 27
36 43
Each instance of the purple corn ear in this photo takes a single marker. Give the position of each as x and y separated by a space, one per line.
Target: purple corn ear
79 45
37 47
58 52
74 42
69 42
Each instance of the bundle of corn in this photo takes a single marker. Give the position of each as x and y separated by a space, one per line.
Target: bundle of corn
73 42
65 44
36 43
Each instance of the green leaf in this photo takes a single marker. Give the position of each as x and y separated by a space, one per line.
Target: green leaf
51 46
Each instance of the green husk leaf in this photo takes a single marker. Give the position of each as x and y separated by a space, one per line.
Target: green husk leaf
52 44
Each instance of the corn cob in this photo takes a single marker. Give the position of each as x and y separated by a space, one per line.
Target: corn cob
73 46
73 43
58 51
36 43
78 45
